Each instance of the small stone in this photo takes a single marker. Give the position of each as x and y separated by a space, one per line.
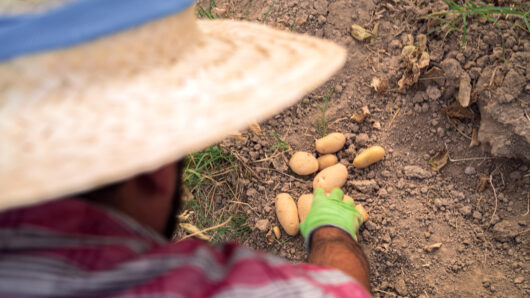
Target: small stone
466 210
376 125
267 208
262 224
477 215
470 170
416 172
386 174
518 280
438 203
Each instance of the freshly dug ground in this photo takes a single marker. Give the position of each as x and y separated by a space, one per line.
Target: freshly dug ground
476 206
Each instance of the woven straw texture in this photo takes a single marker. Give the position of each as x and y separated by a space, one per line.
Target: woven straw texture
79 118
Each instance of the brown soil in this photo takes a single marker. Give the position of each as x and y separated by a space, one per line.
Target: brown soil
485 235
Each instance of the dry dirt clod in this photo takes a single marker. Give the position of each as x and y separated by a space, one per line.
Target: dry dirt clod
262 225
416 172
364 186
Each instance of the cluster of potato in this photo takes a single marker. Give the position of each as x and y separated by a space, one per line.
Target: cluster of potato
332 174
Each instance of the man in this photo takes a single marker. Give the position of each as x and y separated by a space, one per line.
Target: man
99 100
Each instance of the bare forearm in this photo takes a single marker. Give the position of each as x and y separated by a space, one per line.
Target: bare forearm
334 248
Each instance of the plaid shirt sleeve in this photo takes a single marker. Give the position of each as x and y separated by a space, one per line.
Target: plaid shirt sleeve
71 248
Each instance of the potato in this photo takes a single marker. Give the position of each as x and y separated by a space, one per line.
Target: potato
277 232
287 213
331 177
304 205
303 163
363 212
369 157
330 143
347 198
326 161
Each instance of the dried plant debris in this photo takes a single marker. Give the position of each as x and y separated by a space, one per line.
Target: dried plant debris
455 110
380 85
439 160
186 194
256 129
360 115
192 229
482 183
474 139
415 57
360 33
432 247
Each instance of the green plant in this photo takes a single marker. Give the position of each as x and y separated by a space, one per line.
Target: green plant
207 13
200 166
469 9
321 124
268 12
280 144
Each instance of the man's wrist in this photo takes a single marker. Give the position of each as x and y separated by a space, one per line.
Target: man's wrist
330 234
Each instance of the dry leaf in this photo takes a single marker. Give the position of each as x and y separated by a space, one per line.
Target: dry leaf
432 247
421 42
238 136
379 85
256 129
474 139
455 110
185 194
359 116
184 216
439 160
360 33
192 229
482 183
435 74
424 61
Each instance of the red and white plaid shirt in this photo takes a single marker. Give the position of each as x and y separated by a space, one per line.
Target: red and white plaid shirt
69 248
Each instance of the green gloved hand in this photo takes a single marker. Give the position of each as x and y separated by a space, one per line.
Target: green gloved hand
330 211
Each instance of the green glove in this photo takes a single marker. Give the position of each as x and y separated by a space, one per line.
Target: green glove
330 211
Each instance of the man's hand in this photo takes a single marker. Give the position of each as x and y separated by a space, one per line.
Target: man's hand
330 211
330 231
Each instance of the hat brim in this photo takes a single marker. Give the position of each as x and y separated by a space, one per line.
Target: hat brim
237 74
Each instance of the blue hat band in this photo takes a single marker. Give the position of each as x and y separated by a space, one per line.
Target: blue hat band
78 22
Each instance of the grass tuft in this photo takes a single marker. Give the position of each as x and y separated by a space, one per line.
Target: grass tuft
207 13
321 124
280 144
268 12
470 9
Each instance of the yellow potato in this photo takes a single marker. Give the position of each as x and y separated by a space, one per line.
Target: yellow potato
326 161
304 205
276 231
347 198
331 177
287 213
369 157
330 143
303 163
363 212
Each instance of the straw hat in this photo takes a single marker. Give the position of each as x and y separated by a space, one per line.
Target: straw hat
97 91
